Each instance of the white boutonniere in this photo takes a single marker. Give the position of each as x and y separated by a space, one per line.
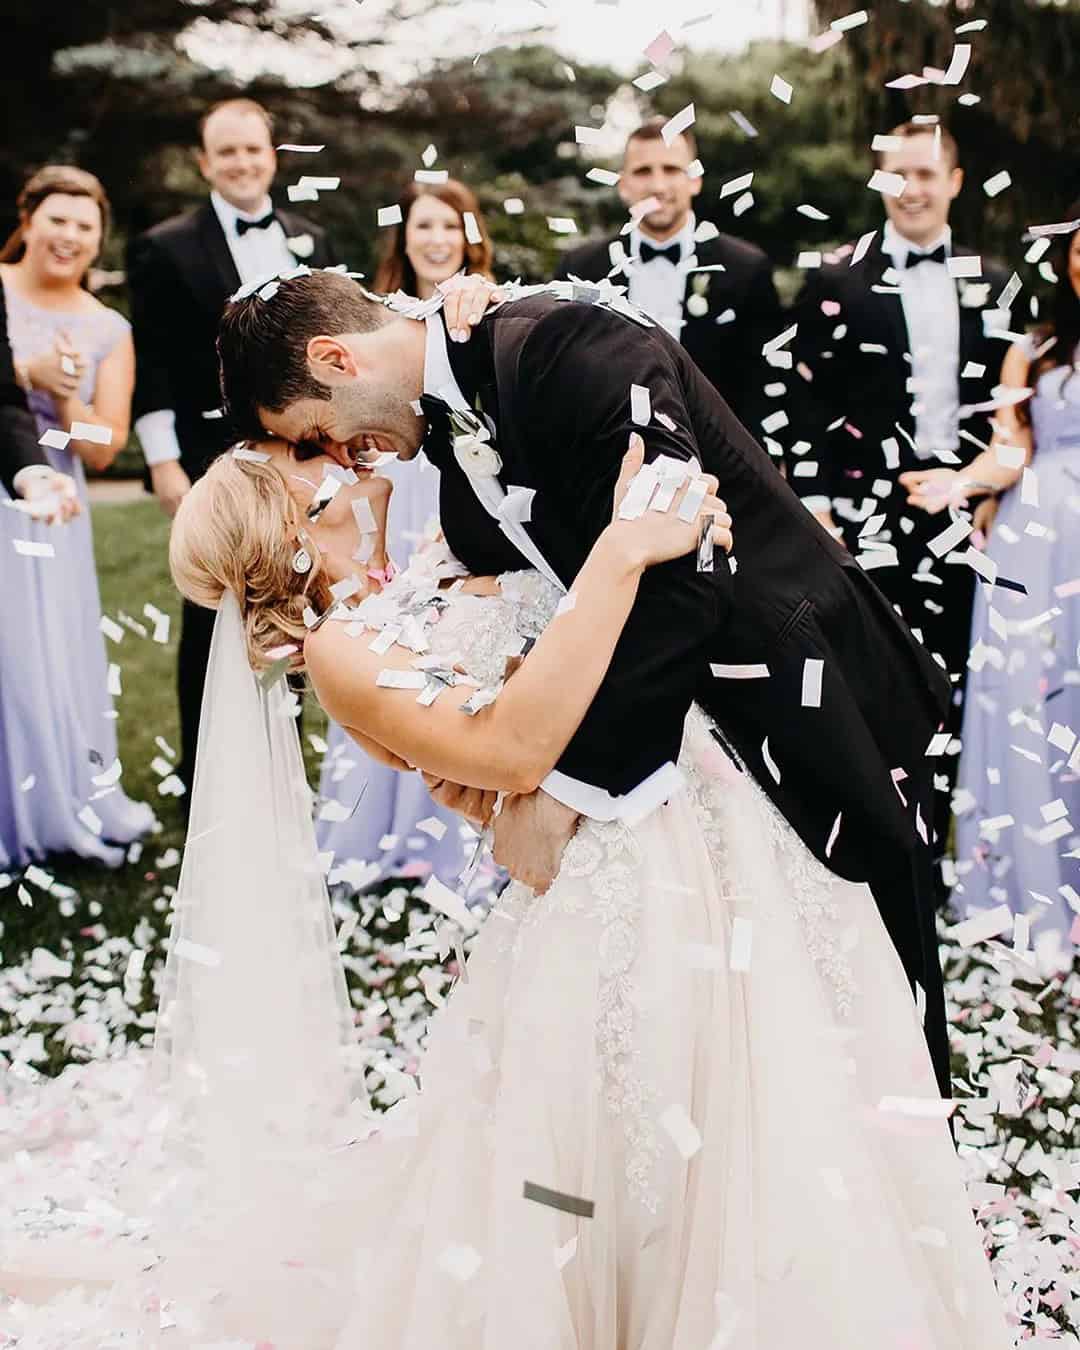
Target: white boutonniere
974 294
697 303
301 245
472 446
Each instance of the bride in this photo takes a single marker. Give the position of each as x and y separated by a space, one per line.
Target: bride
681 1101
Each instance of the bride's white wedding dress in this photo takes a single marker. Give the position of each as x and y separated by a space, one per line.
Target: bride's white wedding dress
698 1039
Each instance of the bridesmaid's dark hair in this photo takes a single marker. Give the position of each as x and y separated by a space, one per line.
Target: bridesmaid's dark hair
1064 320
395 271
52 179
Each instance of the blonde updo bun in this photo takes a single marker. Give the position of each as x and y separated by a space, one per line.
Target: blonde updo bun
236 530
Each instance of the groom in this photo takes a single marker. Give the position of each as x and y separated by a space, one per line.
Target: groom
817 689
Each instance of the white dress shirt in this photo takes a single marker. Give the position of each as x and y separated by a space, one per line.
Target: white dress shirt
932 314
259 253
658 287
585 798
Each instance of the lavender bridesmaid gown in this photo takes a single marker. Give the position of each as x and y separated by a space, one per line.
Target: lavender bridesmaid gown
57 722
1018 825
389 805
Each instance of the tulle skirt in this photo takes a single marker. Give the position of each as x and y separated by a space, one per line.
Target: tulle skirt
680 1102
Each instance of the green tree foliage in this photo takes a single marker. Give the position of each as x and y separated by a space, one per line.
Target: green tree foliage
1025 68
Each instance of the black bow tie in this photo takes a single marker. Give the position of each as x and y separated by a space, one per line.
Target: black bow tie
263 223
938 255
673 252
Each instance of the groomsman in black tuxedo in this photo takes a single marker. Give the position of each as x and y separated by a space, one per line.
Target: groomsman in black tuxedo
181 273
24 468
899 345
714 293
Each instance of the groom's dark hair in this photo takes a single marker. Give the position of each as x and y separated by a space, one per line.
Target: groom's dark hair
262 343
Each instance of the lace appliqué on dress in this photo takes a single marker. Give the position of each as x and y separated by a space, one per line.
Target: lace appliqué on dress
606 856
812 884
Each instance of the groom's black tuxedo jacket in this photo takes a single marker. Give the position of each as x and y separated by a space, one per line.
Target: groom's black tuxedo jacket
726 350
555 377
181 273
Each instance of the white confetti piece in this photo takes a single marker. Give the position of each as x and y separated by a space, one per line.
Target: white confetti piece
460 1261
834 834
779 88
833 1180
90 819
186 950
433 177
389 215
566 1253
813 670
742 204
589 135
513 206
743 123
640 405
770 763
440 897
758 671
811 212
891 184
303 149
981 927
432 826
734 185
862 248
964 265
675 126
562 225
112 680
958 65
606 177
45 966
998 183
652 79
742 941
401 679
684 1134
33 548
566 604
111 629
948 539
91 431
849 21
320 184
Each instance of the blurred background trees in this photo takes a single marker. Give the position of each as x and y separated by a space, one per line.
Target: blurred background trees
118 85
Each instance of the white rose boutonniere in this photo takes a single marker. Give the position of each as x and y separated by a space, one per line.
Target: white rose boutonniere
697 303
301 245
478 458
974 294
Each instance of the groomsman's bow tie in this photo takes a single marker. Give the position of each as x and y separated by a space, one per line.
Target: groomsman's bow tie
673 253
937 255
263 223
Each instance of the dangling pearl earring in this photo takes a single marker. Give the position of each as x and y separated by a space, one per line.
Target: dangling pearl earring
301 561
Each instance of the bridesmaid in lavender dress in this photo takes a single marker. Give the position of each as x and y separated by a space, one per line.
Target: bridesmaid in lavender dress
59 788
1018 806
442 232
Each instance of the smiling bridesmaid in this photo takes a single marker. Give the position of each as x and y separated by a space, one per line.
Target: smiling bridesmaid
74 357
442 232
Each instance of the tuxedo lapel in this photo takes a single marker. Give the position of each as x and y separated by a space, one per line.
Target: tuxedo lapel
886 300
215 275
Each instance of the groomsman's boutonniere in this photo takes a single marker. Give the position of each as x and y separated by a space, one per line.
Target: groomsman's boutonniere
472 445
973 294
301 245
697 303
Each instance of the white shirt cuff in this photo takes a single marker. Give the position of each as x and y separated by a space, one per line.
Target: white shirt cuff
157 436
631 807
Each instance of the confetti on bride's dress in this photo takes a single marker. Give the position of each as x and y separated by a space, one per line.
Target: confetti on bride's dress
684 1134
567 1204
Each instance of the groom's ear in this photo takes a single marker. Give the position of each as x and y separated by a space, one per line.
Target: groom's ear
331 360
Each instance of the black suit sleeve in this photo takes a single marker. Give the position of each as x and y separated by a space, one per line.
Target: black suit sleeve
575 371
154 284
18 434
814 397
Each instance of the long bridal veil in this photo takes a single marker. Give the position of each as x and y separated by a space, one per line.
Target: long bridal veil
254 1025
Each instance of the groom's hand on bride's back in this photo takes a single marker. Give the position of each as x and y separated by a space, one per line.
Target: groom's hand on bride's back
531 835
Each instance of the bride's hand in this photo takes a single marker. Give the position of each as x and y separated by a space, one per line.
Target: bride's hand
468 299
658 536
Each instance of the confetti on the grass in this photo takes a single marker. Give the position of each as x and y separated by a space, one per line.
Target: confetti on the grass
682 1131
111 629
779 88
566 1204
990 924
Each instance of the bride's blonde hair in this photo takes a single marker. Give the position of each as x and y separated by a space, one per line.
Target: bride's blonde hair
238 529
